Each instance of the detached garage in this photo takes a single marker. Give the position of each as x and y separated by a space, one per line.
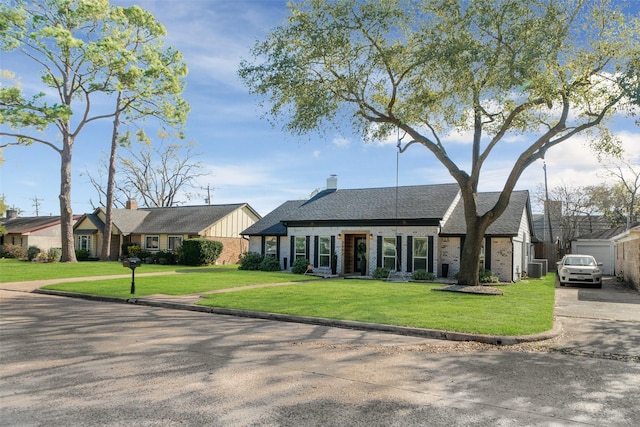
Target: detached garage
601 246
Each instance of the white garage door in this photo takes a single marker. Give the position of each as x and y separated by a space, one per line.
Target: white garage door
601 251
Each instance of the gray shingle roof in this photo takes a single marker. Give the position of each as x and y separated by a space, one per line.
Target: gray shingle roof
413 202
507 224
420 202
183 219
177 219
28 224
605 234
271 224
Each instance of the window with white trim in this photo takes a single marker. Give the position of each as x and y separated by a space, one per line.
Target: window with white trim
152 243
389 253
271 246
173 243
84 243
324 251
301 247
420 249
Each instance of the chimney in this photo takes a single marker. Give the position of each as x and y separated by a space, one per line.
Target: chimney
131 205
12 213
332 182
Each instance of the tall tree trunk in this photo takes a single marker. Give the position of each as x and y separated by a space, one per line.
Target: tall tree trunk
472 246
111 183
66 212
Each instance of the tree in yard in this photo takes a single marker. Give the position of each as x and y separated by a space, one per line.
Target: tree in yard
147 79
73 43
619 201
537 72
159 174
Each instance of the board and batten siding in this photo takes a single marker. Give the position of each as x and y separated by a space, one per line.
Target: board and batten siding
233 224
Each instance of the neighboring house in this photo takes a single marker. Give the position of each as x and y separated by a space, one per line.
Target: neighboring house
628 255
403 229
43 232
601 246
155 229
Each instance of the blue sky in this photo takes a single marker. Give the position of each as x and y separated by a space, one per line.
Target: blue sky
248 160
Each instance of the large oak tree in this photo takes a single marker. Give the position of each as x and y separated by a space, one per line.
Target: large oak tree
542 70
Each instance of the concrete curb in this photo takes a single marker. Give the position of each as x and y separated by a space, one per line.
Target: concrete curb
336 323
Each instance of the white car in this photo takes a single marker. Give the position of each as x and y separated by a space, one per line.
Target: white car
579 270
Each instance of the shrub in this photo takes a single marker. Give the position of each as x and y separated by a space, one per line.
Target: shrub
164 258
269 263
32 252
250 261
422 275
486 276
131 249
54 254
144 255
300 266
380 273
82 254
41 257
199 252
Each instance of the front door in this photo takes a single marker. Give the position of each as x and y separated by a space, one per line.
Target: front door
359 243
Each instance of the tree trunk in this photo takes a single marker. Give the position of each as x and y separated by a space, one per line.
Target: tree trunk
111 183
476 228
66 212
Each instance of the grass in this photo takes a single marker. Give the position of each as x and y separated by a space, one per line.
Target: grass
525 308
12 270
183 283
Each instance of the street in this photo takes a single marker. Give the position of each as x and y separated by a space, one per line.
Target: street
72 362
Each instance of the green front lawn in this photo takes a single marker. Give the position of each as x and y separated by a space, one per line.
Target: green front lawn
12 270
525 308
183 283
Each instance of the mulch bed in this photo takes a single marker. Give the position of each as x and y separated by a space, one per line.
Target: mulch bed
481 290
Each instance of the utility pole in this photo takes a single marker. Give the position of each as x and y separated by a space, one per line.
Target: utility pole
36 204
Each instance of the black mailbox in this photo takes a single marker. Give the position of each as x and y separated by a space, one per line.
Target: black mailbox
132 263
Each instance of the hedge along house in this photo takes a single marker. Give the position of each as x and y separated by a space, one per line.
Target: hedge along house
401 228
155 229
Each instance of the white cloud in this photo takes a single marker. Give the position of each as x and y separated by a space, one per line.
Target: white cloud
341 142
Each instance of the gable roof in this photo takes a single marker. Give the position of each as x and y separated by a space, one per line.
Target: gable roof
419 202
176 219
183 219
29 224
606 234
508 224
271 224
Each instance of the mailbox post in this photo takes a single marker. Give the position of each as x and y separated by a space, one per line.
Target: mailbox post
132 263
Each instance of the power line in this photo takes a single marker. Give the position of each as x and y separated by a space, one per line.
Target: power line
36 204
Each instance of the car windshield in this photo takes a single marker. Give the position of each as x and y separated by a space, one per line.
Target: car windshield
580 260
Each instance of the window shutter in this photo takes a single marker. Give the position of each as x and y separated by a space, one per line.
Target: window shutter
292 250
307 248
430 254
398 253
263 245
487 253
379 253
315 250
409 254
278 248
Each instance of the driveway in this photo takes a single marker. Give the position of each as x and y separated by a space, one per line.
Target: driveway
601 322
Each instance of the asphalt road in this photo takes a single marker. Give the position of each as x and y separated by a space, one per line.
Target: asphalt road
72 362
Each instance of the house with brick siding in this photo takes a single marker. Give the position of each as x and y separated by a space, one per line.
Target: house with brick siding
155 229
404 229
